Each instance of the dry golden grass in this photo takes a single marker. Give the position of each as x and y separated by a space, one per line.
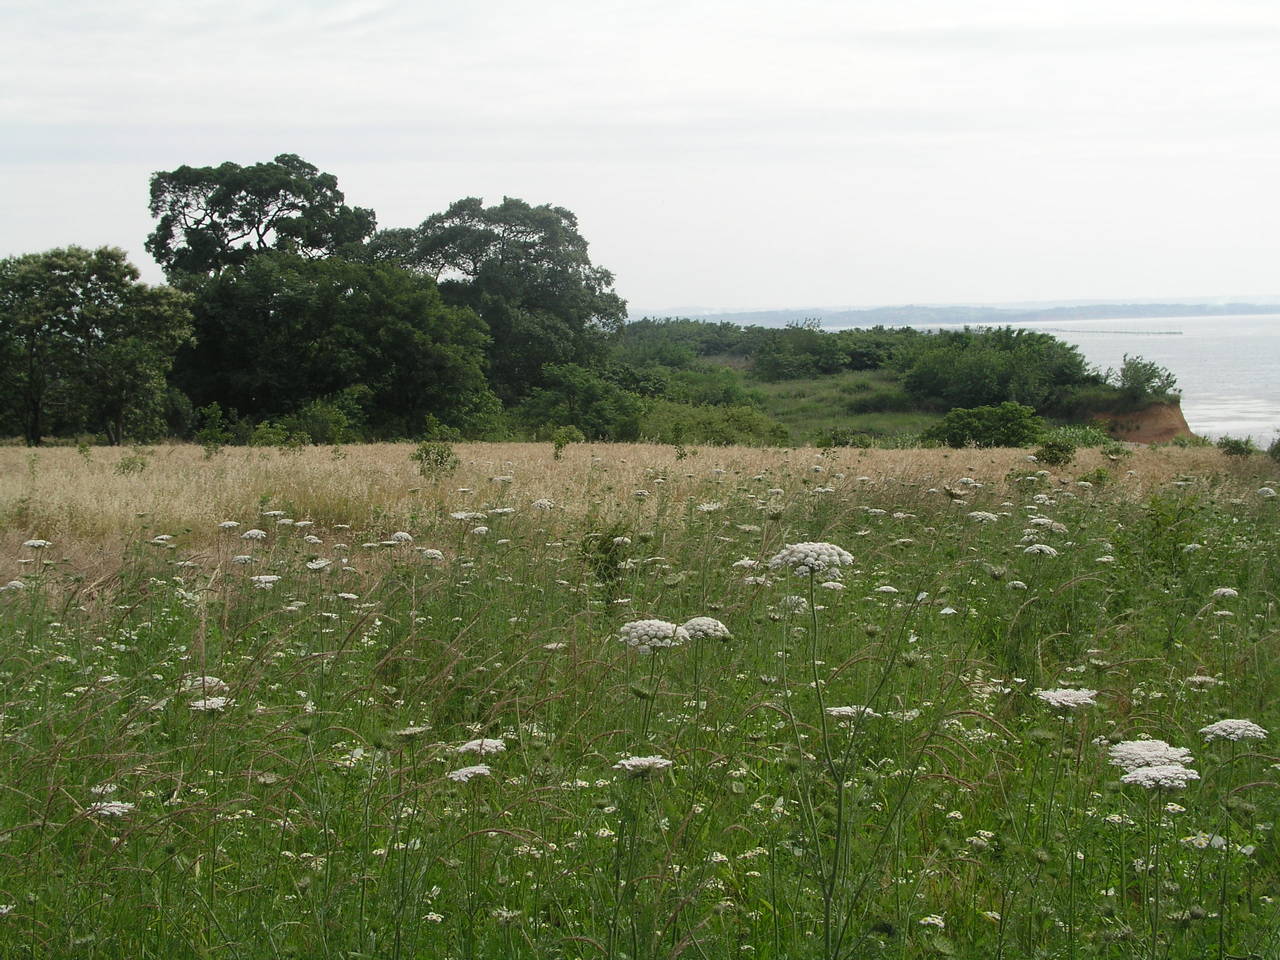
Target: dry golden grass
88 507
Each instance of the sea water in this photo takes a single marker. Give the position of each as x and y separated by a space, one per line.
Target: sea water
1228 368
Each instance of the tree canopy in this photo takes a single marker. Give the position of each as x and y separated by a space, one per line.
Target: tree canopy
526 271
211 218
84 344
280 331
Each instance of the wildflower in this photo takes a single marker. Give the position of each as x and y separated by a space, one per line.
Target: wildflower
14 585
543 503
318 564
479 531
211 704
711 506
312 539
1015 585
1068 699
401 536
109 808
228 524
810 558
706 628
38 544
933 920
273 513
483 746
242 558
851 712
642 766
1234 730
1162 776
1266 493
410 733
203 684
265 582
1130 755
1043 549
467 515
348 596
254 534
982 516
465 774
1227 593
645 635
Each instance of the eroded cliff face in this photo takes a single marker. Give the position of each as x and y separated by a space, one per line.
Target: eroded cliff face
1158 423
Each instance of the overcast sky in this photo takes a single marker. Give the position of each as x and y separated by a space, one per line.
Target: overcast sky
733 154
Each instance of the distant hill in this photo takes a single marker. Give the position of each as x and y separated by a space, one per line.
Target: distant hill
922 315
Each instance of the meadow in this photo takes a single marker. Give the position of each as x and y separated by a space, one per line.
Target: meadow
638 702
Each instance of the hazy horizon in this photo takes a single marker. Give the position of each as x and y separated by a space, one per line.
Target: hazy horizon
738 155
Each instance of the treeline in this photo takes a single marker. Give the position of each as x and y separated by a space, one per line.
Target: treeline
289 317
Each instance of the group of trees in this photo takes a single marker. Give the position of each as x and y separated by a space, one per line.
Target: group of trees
285 304
288 313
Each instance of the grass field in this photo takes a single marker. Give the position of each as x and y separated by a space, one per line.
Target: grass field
416 716
862 401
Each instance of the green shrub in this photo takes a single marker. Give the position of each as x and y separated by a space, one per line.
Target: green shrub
1056 450
1241 447
1273 449
562 437
842 437
1007 425
434 459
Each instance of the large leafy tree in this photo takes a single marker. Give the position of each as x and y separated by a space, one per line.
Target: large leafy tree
526 271
280 331
211 218
83 343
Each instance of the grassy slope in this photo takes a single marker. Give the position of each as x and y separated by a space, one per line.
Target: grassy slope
811 406
312 815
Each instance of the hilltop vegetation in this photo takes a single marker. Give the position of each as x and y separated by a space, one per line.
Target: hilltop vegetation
290 318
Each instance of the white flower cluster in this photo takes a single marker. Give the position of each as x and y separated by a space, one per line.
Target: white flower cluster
646 635
1132 755
191 684
807 558
1043 549
483 746
466 774
851 713
109 808
642 766
982 516
706 628
1162 776
37 544
211 704
1234 730
1068 699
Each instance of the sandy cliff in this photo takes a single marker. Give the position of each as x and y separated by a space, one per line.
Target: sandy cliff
1158 423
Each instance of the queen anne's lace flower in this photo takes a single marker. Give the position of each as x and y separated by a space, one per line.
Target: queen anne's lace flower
254 534
109 808
211 704
1043 549
228 524
265 582
1131 755
643 766
706 628
38 544
1162 776
1234 730
650 634
1068 699
483 747
203 685
401 536
982 516
543 503
465 774
810 558
1226 593
851 712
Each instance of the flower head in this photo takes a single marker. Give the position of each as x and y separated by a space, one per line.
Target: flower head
465 774
1130 755
1234 730
645 635
254 534
109 808
851 712
1161 776
706 628
38 544
810 557
211 704
1068 699
483 746
643 766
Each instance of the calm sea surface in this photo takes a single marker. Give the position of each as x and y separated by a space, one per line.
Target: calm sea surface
1228 368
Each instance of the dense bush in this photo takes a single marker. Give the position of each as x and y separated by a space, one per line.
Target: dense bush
1006 425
